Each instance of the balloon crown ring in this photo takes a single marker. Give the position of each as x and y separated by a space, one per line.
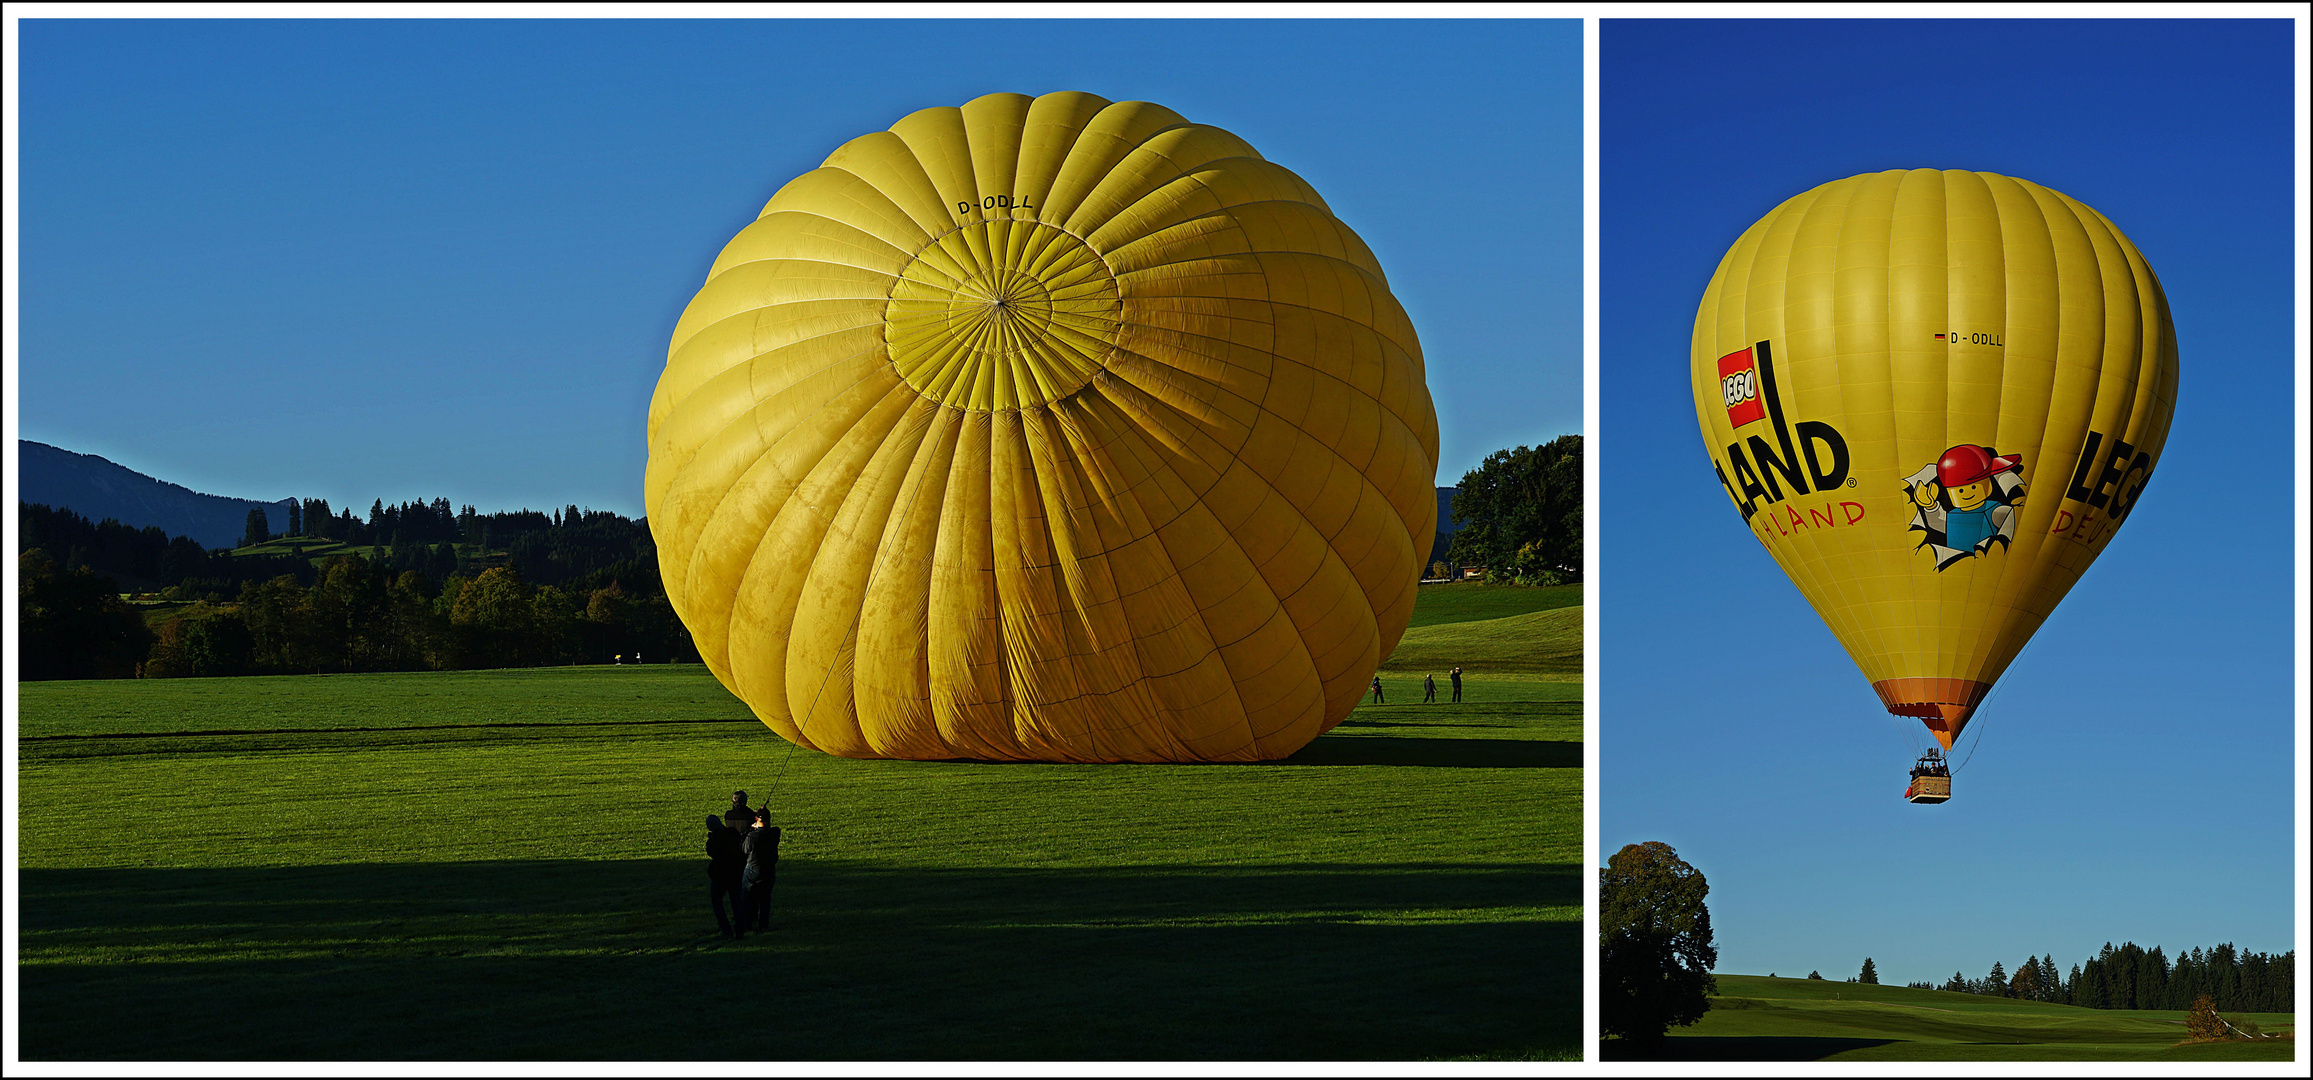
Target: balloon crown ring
1002 313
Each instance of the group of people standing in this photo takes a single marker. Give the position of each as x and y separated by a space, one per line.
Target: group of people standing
742 865
1429 687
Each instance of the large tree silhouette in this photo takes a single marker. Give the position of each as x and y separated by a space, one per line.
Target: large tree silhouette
1655 951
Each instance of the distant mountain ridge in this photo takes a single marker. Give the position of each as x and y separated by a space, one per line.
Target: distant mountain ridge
98 489
1446 522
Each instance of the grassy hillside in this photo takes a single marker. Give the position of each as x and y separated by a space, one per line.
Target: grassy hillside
313 547
318 550
1754 1018
1470 601
1544 642
506 865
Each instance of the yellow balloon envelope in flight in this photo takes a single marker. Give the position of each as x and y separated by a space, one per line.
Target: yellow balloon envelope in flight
1934 396
1044 429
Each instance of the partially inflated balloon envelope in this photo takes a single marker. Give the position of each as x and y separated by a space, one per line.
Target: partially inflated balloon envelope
1044 429
1934 396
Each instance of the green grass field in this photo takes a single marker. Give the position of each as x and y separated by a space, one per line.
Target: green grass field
1542 643
1472 601
312 547
1754 1018
507 865
318 550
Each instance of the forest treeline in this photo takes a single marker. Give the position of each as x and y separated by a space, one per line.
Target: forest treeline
2134 977
434 590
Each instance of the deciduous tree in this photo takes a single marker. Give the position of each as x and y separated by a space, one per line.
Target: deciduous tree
2202 1024
1523 507
1655 943
72 624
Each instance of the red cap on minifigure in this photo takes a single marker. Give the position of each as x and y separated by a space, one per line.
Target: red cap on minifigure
1966 464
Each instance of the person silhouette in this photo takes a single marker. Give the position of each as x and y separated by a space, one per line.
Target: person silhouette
726 862
762 872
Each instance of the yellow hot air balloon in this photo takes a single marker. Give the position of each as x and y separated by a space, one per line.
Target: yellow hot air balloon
1934 396
1044 429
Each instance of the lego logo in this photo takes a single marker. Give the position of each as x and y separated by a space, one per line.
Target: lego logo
1739 385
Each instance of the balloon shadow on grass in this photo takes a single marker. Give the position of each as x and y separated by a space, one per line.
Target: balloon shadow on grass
572 959
1439 753
1735 1048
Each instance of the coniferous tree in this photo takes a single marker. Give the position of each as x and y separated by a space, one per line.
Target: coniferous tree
254 530
1868 975
2127 964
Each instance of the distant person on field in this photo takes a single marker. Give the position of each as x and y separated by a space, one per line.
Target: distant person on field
762 849
1429 689
1456 676
1377 690
739 807
726 864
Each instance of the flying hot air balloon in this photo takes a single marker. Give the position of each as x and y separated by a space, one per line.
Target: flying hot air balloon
1044 429
1934 397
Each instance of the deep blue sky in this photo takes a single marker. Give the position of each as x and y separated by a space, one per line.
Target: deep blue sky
2135 779
353 260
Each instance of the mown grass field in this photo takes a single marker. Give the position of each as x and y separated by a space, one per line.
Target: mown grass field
1541 643
1755 1018
1471 601
319 550
507 865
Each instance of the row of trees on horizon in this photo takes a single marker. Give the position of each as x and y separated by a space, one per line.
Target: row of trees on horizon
1657 953
429 586
416 522
2134 977
570 587
548 548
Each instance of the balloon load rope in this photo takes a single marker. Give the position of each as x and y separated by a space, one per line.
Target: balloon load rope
796 743
1979 729
1986 703
1906 733
784 761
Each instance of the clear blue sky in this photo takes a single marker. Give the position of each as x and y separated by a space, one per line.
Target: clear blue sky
354 260
2135 778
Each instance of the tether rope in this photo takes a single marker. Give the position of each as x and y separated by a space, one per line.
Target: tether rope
1989 698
